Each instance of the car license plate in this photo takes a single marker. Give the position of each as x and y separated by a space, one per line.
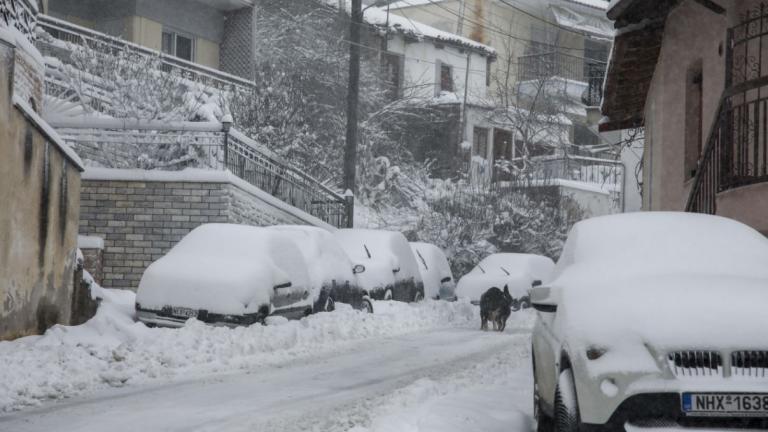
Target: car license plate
725 404
184 312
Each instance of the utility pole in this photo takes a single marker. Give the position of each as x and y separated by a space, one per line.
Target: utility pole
353 89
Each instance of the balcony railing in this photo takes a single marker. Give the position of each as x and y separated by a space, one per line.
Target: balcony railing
129 144
19 14
64 33
736 151
549 171
557 64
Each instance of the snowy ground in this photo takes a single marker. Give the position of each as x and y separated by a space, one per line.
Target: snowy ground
421 367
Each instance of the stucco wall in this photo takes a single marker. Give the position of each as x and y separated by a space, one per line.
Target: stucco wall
748 204
693 33
141 220
38 224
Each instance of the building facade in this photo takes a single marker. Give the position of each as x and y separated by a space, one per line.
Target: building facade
692 73
39 190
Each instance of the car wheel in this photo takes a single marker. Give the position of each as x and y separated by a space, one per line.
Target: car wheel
388 294
367 305
566 405
418 297
330 305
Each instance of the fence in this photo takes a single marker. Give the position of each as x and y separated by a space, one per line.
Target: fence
153 145
550 170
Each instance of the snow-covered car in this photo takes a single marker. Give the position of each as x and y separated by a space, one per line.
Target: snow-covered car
515 270
654 319
435 271
391 271
225 274
331 273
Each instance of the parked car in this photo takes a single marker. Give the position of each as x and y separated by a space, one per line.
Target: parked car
514 270
225 274
391 271
332 275
654 319
435 271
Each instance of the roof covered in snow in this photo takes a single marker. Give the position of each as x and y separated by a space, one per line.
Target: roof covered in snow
378 17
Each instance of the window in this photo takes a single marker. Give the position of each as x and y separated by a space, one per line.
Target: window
178 45
480 142
393 74
595 55
446 78
693 119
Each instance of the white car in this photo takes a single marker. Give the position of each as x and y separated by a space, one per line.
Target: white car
391 271
225 274
654 320
332 274
435 271
515 270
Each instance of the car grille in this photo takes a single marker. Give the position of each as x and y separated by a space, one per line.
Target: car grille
696 363
749 363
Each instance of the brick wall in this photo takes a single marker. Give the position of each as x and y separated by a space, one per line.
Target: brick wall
141 220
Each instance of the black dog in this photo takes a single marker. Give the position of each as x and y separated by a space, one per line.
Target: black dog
495 306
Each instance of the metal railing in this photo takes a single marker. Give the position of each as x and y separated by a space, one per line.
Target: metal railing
153 145
548 171
20 14
558 64
68 33
736 150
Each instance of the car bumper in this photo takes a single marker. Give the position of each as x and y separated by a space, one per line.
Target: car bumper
164 319
663 410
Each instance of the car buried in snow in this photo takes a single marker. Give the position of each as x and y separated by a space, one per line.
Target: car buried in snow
332 275
225 274
515 270
654 320
391 271
435 271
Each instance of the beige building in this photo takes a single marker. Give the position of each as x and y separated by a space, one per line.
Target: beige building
693 73
212 33
39 191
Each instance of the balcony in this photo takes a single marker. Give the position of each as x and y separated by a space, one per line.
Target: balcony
732 174
61 34
550 65
605 174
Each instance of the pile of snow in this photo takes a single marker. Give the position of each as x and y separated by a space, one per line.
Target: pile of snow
223 268
112 350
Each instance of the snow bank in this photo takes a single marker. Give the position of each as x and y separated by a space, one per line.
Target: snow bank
111 350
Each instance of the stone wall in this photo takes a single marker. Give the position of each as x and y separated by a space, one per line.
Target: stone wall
142 214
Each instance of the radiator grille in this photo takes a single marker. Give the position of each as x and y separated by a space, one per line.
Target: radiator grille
696 363
749 363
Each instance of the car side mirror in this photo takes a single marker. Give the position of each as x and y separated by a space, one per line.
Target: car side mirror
285 285
536 283
397 270
358 269
445 279
541 299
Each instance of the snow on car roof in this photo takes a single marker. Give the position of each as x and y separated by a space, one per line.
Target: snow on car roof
325 258
537 266
663 242
383 246
433 266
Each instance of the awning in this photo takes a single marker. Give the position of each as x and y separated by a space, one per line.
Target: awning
594 25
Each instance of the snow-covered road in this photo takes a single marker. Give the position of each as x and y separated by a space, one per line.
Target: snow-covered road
381 384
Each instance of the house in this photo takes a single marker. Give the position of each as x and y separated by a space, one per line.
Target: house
40 190
692 73
215 34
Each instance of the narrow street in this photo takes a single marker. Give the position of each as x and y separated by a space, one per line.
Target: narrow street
353 389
